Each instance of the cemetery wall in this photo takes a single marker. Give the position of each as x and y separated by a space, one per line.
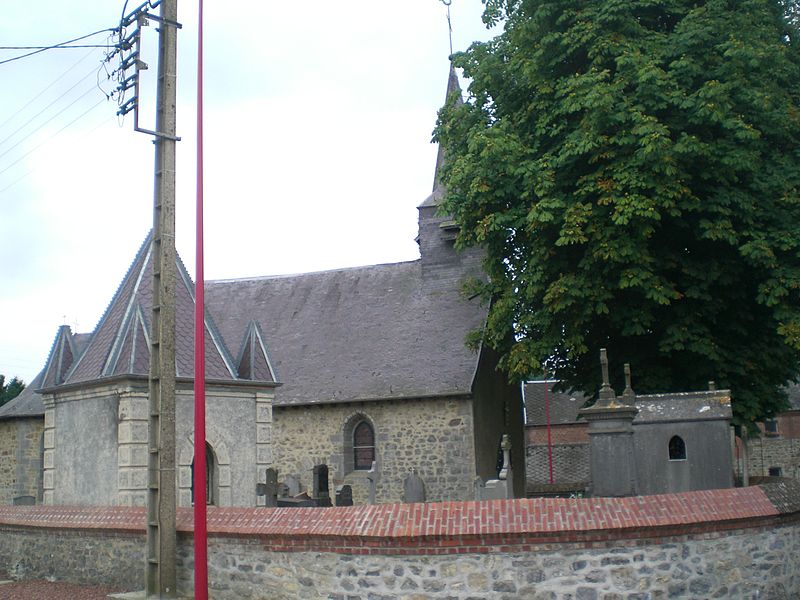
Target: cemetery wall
440 447
731 543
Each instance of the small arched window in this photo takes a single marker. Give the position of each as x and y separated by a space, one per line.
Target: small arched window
211 472
677 448
363 446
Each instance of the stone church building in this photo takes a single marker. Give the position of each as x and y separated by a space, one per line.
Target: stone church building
363 370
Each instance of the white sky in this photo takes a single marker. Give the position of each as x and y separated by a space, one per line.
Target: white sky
317 149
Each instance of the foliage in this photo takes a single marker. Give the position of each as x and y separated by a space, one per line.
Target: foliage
632 169
10 390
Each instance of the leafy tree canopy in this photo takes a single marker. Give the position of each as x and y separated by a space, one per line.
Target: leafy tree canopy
632 168
10 390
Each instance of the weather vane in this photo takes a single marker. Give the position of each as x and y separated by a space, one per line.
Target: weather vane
447 3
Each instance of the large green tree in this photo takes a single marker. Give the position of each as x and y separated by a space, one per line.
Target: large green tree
10 390
632 168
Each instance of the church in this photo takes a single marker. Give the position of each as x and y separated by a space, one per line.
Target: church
361 373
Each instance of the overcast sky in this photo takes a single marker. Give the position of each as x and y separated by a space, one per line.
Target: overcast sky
318 124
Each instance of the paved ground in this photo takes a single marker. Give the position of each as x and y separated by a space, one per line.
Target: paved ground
47 590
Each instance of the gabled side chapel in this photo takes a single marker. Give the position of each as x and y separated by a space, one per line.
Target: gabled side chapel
363 370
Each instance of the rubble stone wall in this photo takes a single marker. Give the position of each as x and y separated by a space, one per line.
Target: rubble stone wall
20 459
440 446
771 452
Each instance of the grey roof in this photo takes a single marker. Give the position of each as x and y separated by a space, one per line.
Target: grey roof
563 406
119 344
27 404
685 406
364 333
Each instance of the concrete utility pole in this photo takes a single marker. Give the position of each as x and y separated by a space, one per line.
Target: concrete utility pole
160 580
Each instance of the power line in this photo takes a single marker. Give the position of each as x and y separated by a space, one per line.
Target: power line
56 47
60 46
26 123
33 169
91 89
51 84
80 116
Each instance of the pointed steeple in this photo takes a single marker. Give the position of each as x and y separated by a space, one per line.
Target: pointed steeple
453 96
61 358
120 342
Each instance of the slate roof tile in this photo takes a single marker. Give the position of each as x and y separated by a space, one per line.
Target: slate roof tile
364 333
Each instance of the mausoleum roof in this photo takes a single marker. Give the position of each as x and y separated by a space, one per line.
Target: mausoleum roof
684 406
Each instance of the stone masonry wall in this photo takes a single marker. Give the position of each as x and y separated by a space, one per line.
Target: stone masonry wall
731 543
767 452
8 460
20 458
439 446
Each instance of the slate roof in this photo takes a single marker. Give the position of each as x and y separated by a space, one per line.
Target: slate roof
364 333
119 344
27 404
563 406
685 406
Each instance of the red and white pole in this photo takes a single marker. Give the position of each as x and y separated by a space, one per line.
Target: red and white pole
200 532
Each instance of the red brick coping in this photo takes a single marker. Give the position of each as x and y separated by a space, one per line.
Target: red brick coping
448 527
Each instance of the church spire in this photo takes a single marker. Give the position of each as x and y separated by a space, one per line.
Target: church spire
453 96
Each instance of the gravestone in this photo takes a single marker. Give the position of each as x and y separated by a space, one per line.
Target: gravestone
502 487
271 488
293 487
344 496
320 492
371 479
413 488
478 487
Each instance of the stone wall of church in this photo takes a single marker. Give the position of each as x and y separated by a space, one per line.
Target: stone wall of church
81 448
96 444
433 437
8 460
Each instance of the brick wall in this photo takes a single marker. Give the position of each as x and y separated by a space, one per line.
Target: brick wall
439 446
728 543
570 451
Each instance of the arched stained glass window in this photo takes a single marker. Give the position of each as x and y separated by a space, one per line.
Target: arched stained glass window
363 446
677 448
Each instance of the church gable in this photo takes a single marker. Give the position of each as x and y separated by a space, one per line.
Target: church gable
120 344
253 362
61 358
132 352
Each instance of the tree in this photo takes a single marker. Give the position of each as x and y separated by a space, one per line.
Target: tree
632 168
11 390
